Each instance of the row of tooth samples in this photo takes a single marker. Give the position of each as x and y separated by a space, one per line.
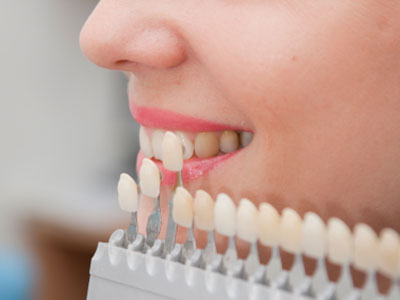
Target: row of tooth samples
202 145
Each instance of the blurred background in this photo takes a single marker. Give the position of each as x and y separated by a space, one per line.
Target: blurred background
66 135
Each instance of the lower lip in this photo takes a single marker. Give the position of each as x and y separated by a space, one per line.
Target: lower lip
192 168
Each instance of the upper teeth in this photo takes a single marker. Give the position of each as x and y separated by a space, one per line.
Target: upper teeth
202 144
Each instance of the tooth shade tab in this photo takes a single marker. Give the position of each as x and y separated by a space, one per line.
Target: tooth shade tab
145 143
156 140
149 178
182 211
246 221
268 225
365 248
203 211
340 242
389 253
229 141
172 152
127 193
315 236
225 215
187 144
206 144
245 138
291 231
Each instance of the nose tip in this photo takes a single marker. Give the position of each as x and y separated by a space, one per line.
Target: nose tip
124 43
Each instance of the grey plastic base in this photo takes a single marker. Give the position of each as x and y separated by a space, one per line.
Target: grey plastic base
122 274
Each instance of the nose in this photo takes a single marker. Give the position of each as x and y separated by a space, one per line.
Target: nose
120 36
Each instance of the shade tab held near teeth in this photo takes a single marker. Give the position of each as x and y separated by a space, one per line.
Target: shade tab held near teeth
340 242
389 253
225 215
127 193
156 140
149 178
291 231
365 248
246 221
187 144
172 152
315 241
183 208
268 225
145 143
203 211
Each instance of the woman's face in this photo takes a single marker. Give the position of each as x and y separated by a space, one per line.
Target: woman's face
317 82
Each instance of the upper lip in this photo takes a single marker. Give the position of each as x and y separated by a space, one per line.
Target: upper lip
170 120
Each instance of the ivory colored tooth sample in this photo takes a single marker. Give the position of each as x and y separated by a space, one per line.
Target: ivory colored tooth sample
229 141
291 231
127 193
340 242
182 211
315 241
246 221
172 152
389 253
365 248
225 215
156 140
149 178
188 147
203 211
145 143
206 144
268 225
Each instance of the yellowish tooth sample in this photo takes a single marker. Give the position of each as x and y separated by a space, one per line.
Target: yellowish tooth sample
340 242
127 193
389 253
206 144
245 138
268 225
246 221
149 178
172 152
188 147
291 231
229 141
145 143
182 211
225 215
156 140
315 242
203 211
365 248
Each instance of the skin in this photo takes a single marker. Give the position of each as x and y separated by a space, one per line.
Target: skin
318 82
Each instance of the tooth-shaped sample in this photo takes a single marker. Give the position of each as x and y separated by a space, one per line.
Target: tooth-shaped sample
389 253
172 152
149 178
183 207
203 211
188 147
156 140
206 144
246 221
291 231
340 242
365 248
315 241
145 143
268 225
225 215
245 138
127 193
229 141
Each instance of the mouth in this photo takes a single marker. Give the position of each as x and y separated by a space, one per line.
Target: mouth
206 145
